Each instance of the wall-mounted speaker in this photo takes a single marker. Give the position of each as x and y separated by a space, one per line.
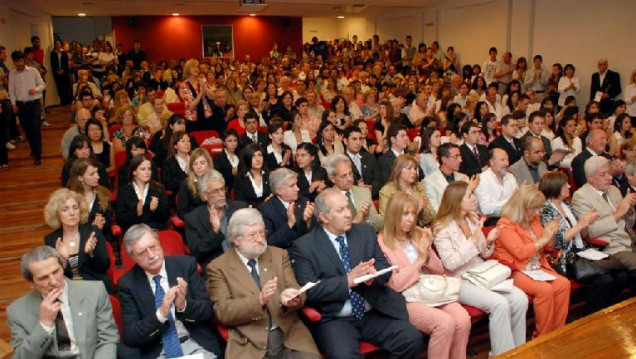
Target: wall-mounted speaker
131 21
286 22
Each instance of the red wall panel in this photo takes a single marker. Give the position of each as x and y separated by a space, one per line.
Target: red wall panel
172 37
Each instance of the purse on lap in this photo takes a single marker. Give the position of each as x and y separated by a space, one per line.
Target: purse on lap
487 274
433 290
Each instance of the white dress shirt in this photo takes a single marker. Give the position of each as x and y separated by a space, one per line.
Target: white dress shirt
23 81
492 194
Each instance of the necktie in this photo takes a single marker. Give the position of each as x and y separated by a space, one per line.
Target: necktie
356 161
352 207
607 199
252 264
357 303
170 338
476 152
61 333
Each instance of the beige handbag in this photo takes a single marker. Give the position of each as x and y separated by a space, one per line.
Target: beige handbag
488 274
433 290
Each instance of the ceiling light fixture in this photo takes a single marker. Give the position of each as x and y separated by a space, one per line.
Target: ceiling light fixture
252 15
81 14
175 14
340 17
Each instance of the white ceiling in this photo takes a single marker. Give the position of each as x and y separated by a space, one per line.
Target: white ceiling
360 8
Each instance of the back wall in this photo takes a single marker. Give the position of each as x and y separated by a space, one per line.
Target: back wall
172 37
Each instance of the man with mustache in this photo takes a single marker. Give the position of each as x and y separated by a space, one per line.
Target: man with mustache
166 312
253 287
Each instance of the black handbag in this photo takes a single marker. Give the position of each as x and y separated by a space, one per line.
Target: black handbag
583 269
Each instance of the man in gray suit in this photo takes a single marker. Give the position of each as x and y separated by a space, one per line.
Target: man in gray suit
60 318
361 205
530 167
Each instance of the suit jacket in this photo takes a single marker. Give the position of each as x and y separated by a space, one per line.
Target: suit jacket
606 228
187 201
275 217
236 304
516 246
223 165
361 194
127 208
172 175
244 191
141 328
56 64
471 164
369 173
436 184
514 154
261 139
547 145
522 173
611 84
272 162
93 324
385 165
318 173
88 268
204 243
315 258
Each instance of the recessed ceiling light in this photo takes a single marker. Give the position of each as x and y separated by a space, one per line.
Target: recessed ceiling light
175 14
81 14
252 14
340 17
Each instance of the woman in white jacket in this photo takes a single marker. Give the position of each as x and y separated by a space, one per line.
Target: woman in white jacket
569 85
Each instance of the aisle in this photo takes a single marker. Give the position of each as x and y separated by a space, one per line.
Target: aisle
24 190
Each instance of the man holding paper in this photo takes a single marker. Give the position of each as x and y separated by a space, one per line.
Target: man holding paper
336 253
253 288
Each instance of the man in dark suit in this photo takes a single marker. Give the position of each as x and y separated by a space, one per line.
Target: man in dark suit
507 140
60 318
206 225
606 85
398 141
535 127
474 155
165 308
252 134
220 116
287 215
60 67
363 163
136 54
335 253
596 142
253 287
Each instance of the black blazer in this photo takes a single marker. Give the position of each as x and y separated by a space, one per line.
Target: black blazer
223 165
188 201
244 191
275 217
272 163
385 165
127 208
472 165
141 328
204 243
611 85
315 258
317 174
261 137
172 175
88 268
57 65
369 173
514 152
159 147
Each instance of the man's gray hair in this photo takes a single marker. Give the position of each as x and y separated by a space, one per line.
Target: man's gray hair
334 162
38 254
593 164
134 233
210 175
321 205
279 177
243 217
630 167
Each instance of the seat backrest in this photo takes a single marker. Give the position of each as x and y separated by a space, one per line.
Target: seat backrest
114 303
201 136
171 242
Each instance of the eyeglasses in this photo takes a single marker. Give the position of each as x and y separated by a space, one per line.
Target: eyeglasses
146 252
217 191
255 234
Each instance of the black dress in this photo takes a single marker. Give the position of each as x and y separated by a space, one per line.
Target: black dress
104 157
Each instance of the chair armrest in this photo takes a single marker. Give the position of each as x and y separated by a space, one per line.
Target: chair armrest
177 222
597 242
116 230
311 314
222 330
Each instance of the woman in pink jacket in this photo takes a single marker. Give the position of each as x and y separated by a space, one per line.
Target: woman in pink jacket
409 247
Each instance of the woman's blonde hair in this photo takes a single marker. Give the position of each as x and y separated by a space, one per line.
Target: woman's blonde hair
122 111
628 144
56 200
400 163
524 199
189 65
118 96
240 103
450 207
192 178
398 204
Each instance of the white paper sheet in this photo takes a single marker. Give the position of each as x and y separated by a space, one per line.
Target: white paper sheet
539 275
193 356
365 278
505 286
592 254
305 288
